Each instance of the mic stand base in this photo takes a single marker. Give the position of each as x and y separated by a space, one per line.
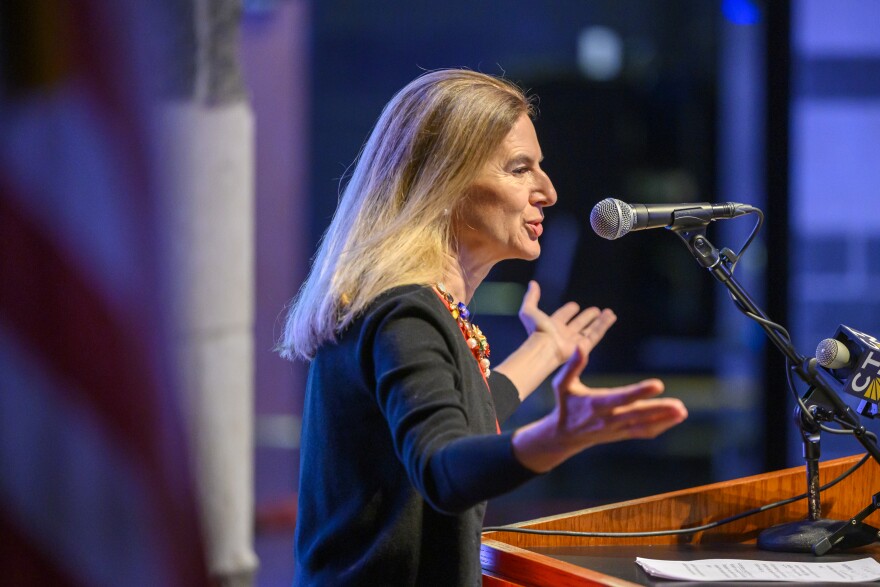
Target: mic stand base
802 535
817 536
853 533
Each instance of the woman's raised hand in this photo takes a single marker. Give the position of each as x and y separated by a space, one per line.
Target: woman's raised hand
568 328
553 339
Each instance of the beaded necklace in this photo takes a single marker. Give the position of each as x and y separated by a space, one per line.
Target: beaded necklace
476 340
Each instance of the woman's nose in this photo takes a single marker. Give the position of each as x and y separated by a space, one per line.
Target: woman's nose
546 191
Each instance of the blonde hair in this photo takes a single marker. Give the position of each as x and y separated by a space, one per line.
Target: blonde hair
392 225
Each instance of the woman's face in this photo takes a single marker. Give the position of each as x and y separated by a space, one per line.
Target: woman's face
502 214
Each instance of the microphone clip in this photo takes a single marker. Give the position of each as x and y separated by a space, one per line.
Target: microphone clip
729 258
694 238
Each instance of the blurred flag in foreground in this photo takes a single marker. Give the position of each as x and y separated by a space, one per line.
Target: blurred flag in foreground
94 481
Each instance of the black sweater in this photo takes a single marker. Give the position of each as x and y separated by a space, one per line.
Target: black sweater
399 450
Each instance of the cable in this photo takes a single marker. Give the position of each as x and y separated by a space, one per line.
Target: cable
679 531
768 323
732 259
754 233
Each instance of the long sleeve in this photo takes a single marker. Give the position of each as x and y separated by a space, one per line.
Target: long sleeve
505 394
430 391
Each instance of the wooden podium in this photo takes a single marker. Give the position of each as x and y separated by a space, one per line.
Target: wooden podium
513 559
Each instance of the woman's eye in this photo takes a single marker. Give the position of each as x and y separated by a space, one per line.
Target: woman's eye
520 170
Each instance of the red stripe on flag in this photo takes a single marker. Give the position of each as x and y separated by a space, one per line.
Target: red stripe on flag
60 317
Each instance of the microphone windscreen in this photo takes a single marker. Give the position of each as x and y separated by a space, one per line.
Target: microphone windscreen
611 218
832 354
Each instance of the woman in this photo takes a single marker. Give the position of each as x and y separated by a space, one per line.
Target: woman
401 442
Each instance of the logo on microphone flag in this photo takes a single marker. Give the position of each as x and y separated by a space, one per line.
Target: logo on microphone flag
873 393
865 380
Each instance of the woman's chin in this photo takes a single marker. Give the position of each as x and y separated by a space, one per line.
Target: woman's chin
530 253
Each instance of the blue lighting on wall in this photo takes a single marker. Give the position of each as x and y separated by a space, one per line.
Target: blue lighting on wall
741 11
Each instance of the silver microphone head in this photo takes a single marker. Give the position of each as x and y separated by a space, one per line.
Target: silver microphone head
611 218
832 354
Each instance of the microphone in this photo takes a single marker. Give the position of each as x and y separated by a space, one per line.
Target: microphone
833 354
853 357
612 219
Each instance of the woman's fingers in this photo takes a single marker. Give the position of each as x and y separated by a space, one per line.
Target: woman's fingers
567 315
610 398
530 301
568 326
645 418
648 418
592 334
569 376
581 321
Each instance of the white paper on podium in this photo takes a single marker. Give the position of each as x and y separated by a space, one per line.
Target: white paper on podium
723 569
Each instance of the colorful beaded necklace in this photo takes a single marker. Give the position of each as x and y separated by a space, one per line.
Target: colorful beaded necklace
476 340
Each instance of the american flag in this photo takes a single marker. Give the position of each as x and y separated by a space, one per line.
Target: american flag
95 486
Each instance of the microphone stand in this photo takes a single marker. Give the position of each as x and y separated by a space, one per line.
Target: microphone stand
814 534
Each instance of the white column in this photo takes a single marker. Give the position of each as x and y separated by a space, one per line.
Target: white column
206 149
